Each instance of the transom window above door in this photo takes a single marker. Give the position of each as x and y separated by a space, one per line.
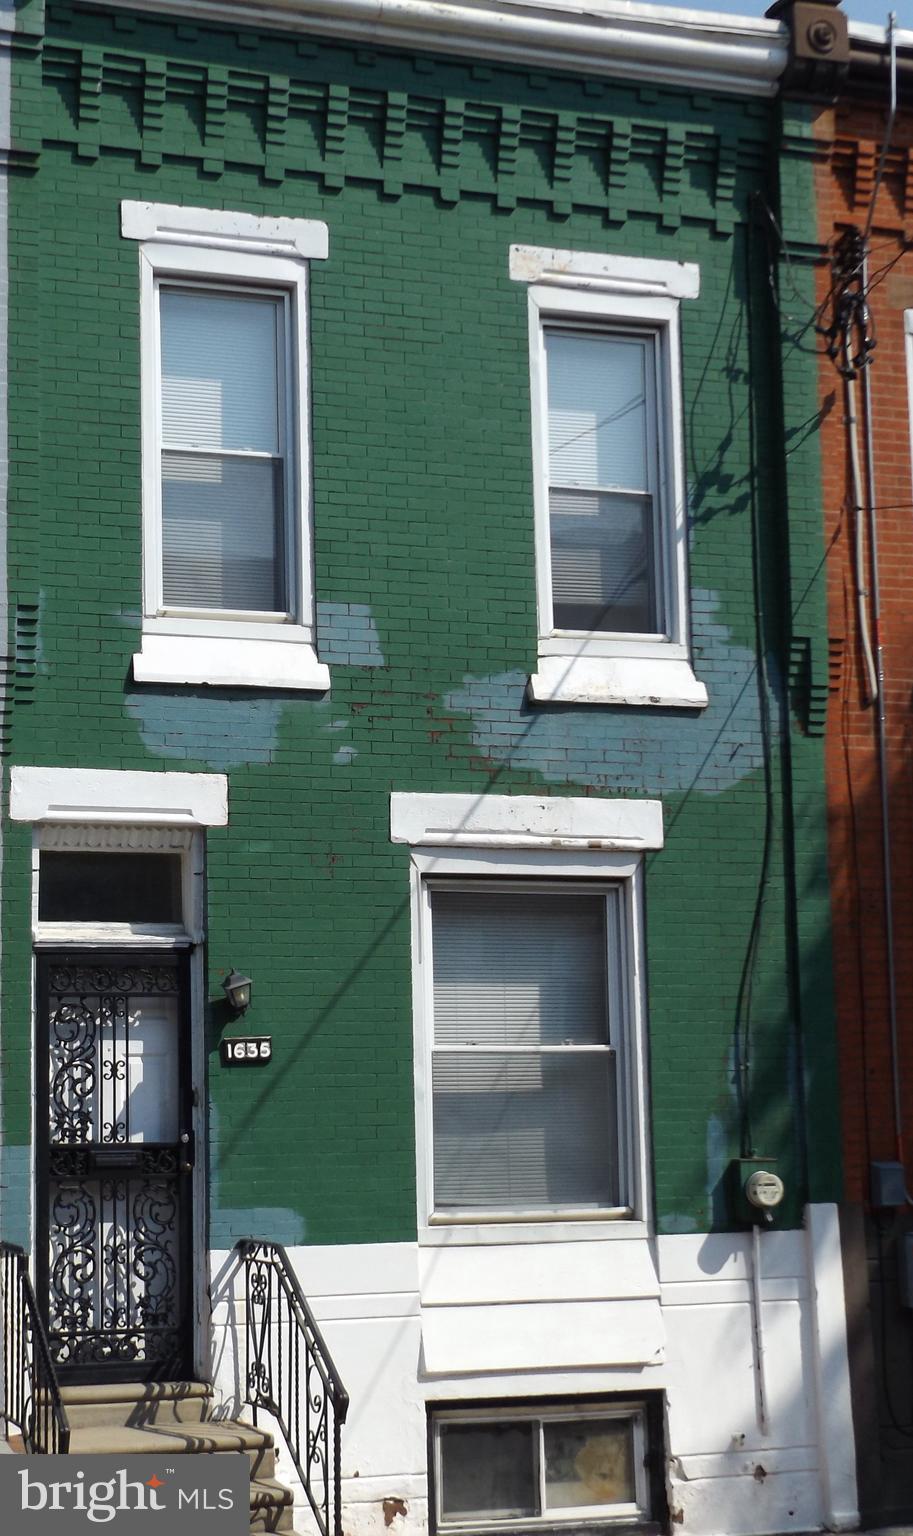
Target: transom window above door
117 884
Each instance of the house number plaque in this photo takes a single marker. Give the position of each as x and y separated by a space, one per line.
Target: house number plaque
246 1050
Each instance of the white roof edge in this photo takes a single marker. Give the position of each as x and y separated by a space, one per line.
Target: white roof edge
700 50
871 32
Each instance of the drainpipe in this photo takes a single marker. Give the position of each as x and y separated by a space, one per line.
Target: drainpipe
884 785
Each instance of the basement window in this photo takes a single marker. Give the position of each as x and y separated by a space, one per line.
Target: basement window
539 1467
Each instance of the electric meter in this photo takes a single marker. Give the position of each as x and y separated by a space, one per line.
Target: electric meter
764 1190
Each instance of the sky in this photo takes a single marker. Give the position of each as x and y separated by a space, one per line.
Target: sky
875 11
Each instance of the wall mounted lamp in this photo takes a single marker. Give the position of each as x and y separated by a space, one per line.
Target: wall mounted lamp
238 990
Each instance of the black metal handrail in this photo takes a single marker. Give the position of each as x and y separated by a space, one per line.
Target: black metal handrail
289 1373
31 1393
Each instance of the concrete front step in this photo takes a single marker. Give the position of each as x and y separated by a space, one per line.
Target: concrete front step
174 1418
270 1506
138 1403
178 1440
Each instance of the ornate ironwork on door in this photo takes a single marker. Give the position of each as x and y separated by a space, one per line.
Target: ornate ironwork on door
114 1160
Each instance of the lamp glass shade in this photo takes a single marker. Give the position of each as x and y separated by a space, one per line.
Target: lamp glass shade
238 989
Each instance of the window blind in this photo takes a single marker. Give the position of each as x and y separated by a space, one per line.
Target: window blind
597 410
523 1116
223 475
601 473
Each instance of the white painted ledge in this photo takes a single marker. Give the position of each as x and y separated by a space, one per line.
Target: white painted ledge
612 274
94 795
220 663
615 38
831 1368
524 821
635 681
569 1335
222 229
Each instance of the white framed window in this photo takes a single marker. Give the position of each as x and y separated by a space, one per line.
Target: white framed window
608 475
228 593
529 1010
117 885
540 1466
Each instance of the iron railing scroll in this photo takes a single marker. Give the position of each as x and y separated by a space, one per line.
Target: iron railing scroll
290 1375
31 1393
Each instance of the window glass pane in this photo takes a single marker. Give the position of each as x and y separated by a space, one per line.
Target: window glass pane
589 1462
221 539
219 371
523 1130
110 887
488 1471
602 562
597 413
520 969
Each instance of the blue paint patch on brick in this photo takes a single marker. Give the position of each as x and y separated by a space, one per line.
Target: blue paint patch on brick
646 751
275 1224
224 733
15 1194
347 635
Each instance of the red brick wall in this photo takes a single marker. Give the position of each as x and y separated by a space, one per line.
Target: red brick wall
845 173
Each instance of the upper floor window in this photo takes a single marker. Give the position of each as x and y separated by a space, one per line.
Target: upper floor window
604 481
228 593
608 472
227 467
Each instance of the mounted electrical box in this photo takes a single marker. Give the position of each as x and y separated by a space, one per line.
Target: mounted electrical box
756 1190
888 1185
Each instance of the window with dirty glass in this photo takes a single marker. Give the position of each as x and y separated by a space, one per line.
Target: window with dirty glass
539 1466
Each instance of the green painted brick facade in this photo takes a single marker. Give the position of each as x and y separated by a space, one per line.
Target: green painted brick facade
425 171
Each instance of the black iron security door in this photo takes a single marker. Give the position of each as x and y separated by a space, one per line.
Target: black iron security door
115 1158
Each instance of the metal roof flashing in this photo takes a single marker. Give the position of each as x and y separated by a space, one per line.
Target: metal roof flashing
620 39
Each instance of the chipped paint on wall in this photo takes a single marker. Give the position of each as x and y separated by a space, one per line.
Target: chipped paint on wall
347 635
221 732
648 751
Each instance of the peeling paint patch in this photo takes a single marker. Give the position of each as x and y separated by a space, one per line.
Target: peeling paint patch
645 750
15 1195
674 1222
347 635
392 1508
344 756
273 1222
223 733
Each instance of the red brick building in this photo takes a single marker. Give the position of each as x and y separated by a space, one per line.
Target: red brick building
863 175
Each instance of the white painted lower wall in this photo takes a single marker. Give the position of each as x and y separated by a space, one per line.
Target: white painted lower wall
673 1313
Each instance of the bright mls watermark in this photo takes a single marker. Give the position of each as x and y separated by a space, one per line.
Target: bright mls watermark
185 1495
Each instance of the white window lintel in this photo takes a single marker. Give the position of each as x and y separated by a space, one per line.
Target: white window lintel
525 821
105 795
306 239
612 274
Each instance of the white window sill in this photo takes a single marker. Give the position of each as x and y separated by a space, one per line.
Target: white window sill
637 681
218 662
439 1233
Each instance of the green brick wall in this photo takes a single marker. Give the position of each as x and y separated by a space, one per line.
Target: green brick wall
425 172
